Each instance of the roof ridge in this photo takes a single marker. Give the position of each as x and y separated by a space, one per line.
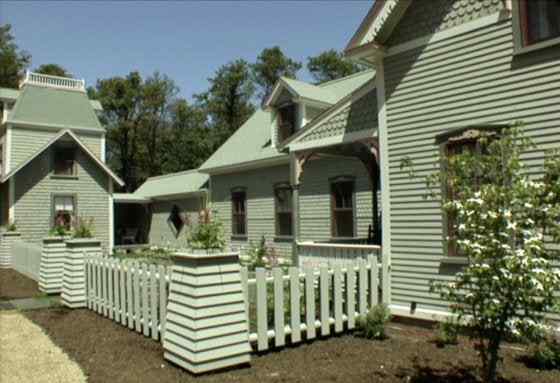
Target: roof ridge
360 73
168 175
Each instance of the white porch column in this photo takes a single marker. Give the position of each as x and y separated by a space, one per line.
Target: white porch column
295 173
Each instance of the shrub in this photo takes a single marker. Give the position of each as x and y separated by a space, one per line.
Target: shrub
546 354
372 325
208 234
59 230
12 226
261 255
83 228
447 332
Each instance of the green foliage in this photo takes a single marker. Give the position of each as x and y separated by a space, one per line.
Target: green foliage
154 255
13 61
372 325
208 234
228 100
53 70
83 228
502 217
546 354
58 230
272 64
12 226
447 332
261 255
331 65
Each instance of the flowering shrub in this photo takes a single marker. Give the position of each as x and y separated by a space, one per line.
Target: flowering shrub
372 325
503 219
83 228
262 256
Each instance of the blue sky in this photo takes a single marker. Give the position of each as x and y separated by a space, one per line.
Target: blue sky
186 40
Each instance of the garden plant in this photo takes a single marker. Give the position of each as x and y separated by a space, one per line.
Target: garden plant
208 234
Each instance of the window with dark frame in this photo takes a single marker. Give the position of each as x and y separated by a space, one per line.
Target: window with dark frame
539 20
468 141
64 211
65 161
239 213
176 219
286 121
283 208
342 208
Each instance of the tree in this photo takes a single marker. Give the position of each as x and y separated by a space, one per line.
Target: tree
188 142
272 64
331 65
13 61
53 70
228 100
502 222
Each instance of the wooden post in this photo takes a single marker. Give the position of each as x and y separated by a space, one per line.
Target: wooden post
74 278
206 324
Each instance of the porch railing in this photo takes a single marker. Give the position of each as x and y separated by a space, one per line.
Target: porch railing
315 254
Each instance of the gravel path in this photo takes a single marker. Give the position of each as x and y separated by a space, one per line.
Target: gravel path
28 355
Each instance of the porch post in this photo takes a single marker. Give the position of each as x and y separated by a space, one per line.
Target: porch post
295 173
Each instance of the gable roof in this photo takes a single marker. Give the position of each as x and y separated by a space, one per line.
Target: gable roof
301 90
57 108
353 117
81 145
173 184
251 144
381 17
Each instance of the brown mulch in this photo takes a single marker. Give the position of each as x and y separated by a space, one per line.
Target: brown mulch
14 285
109 352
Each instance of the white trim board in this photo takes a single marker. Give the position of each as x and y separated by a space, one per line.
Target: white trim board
338 139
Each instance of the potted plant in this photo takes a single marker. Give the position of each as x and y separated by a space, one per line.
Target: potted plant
208 236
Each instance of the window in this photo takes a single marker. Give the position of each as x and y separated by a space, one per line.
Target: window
64 211
239 213
286 121
539 20
283 207
64 161
176 220
342 208
460 142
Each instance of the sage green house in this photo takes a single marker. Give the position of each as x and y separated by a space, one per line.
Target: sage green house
52 159
161 210
444 70
254 188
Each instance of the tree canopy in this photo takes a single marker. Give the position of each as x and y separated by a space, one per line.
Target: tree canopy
331 65
53 70
13 61
272 64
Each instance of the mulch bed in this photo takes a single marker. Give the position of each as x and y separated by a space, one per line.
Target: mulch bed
14 285
108 352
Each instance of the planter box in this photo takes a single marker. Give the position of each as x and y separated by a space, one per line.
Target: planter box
206 292
7 239
52 264
74 276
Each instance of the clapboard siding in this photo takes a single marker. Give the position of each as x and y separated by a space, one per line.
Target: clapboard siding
471 78
26 141
161 231
314 201
34 188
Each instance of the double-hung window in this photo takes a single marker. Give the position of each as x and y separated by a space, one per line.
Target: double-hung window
342 208
536 24
283 207
64 211
239 212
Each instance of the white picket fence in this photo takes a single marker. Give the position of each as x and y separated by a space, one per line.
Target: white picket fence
130 293
308 302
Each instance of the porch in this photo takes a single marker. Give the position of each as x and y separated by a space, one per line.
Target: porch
132 217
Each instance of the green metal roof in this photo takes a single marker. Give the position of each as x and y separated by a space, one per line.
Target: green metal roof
310 91
190 181
252 142
8 94
43 106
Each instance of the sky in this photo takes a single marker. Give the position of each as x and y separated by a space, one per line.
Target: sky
185 40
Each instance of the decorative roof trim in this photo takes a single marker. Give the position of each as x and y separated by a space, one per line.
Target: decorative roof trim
56 82
86 150
344 102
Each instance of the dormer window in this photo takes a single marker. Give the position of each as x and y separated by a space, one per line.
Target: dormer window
286 121
64 161
539 20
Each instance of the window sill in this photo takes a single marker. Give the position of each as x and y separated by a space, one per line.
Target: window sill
455 260
535 47
62 177
239 238
283 238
